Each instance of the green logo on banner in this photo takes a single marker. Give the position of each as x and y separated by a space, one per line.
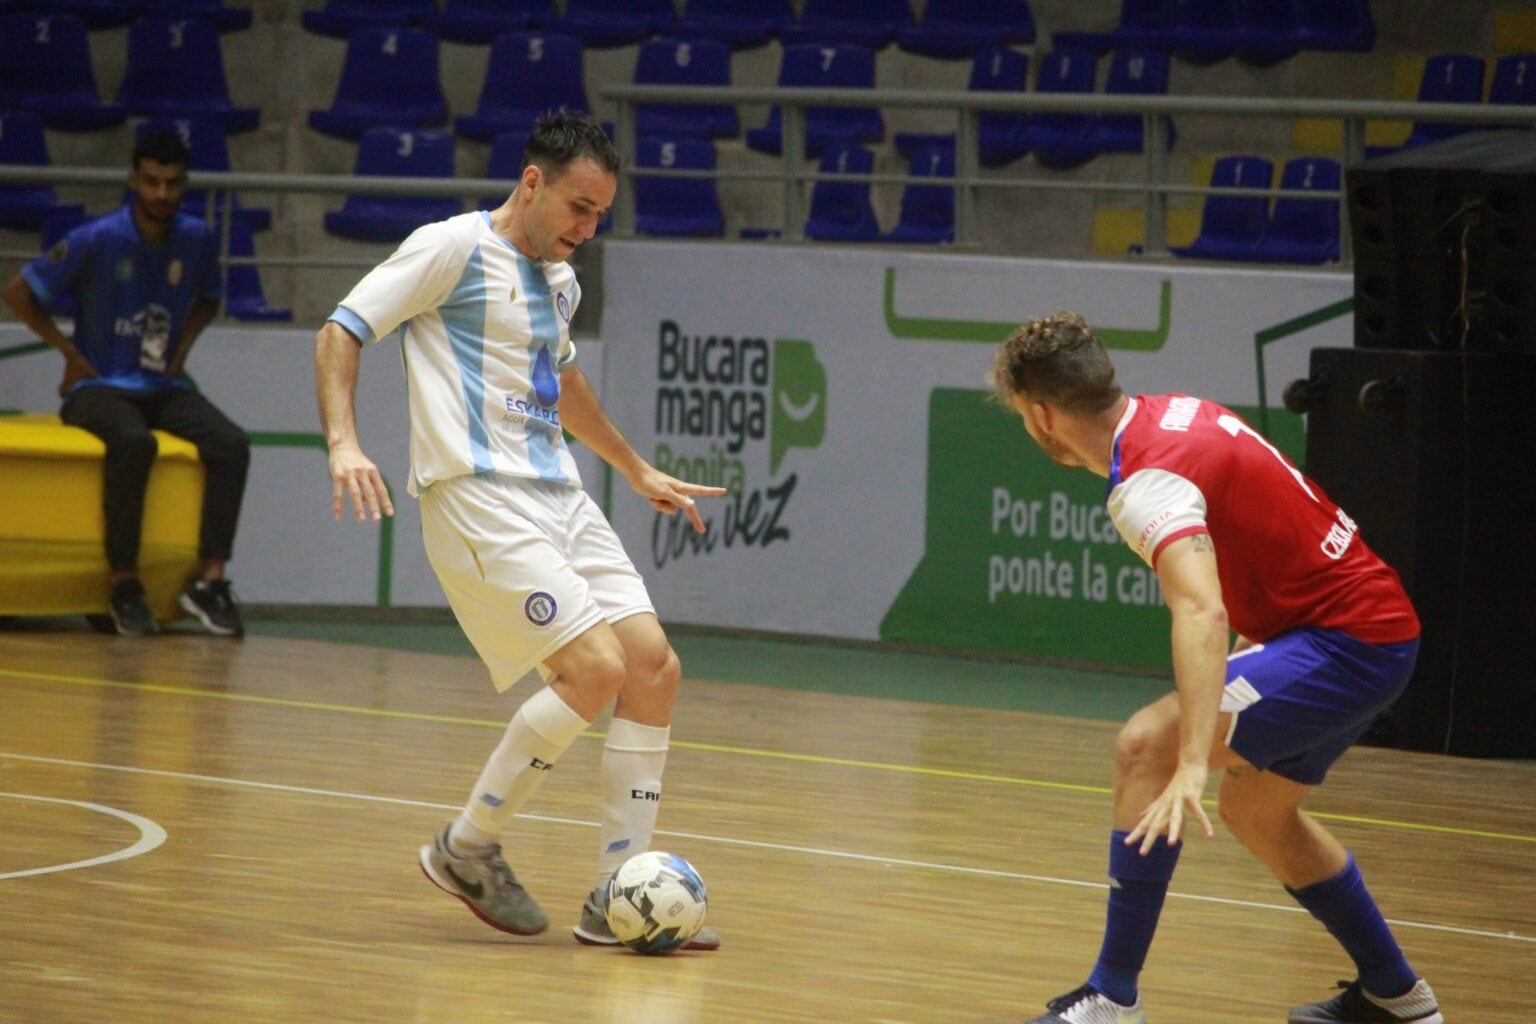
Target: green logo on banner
799 414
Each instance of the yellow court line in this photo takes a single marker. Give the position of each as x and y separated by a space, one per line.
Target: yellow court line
421 716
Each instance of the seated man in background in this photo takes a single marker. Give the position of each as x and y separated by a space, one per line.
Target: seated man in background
145 280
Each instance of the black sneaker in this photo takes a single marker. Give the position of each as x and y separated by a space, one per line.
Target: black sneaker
1357 1006
213 604
130 612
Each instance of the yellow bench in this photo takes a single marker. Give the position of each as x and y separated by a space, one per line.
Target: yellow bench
52 558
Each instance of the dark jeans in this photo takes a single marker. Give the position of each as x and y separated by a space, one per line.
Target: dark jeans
123 420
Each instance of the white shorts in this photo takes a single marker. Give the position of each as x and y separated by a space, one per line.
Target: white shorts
527 567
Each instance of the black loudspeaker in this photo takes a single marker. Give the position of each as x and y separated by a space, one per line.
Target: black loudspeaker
1444 240
1428 451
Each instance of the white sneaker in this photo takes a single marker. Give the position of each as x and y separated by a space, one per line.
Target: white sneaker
1357 1006
1087 1005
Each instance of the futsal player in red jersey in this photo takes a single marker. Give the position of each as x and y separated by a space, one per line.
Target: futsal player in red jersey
1240 540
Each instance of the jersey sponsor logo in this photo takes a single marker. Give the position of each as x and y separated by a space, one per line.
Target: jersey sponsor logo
643 794
1180 414
520 410
1151 528
540 608
1339 535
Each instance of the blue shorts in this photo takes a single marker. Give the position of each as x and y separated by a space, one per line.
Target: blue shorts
1299 700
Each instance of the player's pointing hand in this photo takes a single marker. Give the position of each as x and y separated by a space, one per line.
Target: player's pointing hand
670 495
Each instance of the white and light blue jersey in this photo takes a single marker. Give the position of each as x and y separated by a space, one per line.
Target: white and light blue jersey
486 333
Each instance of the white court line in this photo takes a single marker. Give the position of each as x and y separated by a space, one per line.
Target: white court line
151 835
809 851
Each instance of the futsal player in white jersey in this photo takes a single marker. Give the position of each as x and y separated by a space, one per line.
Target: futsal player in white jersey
535 575
1240 539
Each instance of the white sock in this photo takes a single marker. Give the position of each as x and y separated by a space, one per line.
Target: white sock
538 734
633 758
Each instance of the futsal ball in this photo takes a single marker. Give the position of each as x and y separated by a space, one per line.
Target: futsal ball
656 902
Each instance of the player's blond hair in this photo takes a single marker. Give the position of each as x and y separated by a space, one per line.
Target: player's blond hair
1055 359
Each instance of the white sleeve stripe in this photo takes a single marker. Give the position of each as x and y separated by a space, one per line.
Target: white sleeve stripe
1152 505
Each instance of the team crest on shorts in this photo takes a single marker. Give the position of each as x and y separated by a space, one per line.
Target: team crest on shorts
540 608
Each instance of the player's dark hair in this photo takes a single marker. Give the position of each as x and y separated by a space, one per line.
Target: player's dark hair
164 147
1056 359
560 138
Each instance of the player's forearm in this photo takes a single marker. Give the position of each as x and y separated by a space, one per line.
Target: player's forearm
18 295
199 315
582 414
337 355
1199 672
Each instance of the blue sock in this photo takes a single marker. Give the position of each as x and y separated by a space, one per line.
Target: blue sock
1138 886
1345 907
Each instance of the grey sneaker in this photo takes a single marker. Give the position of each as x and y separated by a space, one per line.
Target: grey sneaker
1087 1005
1355 1005
485 884
594 931
130 611
213 604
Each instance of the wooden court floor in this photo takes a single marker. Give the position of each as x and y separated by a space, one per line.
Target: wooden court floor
203 830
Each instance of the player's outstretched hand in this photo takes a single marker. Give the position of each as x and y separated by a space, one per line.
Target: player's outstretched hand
1179 800
354 474
670 495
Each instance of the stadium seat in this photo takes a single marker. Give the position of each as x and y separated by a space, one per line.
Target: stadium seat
961 29
389 153
1202 31
481 21
505 163
1335 25
97 14
340 18
176 69
207 150
1132 73
685 62
45 67
244 298
1266 31
927 211
1002 135
827 67
740 24
604 23
528 73
841 210
871 23
1063 140
677 206
389 78
1143 25
1447 78
225 19
22 143
1514 80
1304 230
1233 227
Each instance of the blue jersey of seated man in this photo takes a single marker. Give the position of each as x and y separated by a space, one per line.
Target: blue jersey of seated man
131 299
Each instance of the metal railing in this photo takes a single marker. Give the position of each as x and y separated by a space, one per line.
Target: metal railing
795 177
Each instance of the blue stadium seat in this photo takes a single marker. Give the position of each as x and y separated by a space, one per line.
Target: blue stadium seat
97 14
604 23
1233 227
685 62
827 67
1003 136
677 206
1335 25
389 78
22 143
1514 80
225 19
1064 140
927 211
207 150
528 73
1132 73
871 23
506 163
45 67
340 18
740 24
176 69
1143 25
1447 78
481 21
389 153
957 29
841 210
244 298
1202 31
1267 32
1304 230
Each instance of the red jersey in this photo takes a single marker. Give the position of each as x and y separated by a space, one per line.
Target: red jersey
1287 556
